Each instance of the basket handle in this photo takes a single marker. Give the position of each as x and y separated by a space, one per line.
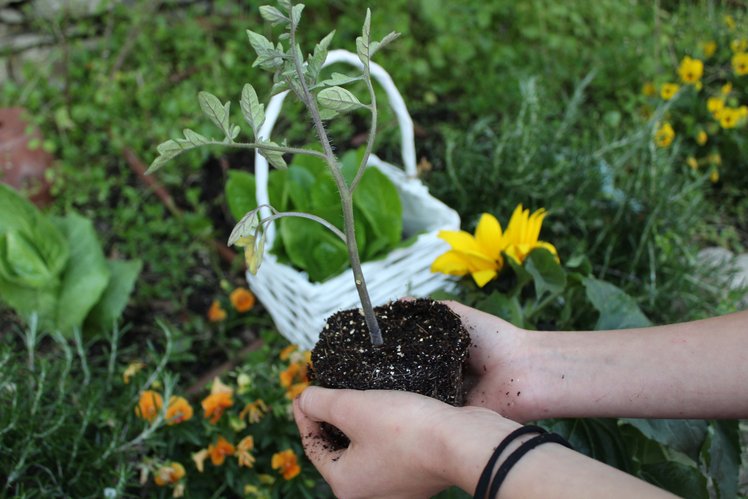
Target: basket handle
397 103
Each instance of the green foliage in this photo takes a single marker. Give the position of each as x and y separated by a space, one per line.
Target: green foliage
55 268
307 186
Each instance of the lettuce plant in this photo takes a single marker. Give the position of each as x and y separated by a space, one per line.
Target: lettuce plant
54 268
324 100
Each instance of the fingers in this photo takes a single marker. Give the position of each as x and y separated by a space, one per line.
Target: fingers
312 438
331 406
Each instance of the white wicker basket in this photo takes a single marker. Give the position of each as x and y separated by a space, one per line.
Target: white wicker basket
300 307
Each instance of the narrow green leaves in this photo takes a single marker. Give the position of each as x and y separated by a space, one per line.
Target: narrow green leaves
338 79
296 14
362 42
253 111
338 99
172 148
315 61
217 112
273 15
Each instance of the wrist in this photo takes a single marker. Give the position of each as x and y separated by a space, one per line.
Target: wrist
465 441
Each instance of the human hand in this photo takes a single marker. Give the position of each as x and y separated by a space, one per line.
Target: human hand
498 375
403 445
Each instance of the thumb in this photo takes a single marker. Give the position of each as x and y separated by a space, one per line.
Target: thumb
331 406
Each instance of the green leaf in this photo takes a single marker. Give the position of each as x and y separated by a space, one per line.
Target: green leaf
501 305
380 204
597 438
327 114
86 275
275 158
617 309
678 478
317 59
268 56
286 4
391 37
313 248
253 111
683 435
721 452
21 263
338 99
113 301
523 276
547 273
273 15
240 193
296 13
217 112
362 42
171 148
340 79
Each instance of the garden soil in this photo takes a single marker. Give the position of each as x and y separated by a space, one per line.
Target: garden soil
425 350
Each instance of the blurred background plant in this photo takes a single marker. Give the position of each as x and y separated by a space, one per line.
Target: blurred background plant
534 102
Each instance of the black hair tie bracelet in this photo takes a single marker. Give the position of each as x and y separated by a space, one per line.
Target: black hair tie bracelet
485 477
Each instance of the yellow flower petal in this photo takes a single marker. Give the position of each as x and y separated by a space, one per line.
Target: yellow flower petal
451 263
488 233
482 277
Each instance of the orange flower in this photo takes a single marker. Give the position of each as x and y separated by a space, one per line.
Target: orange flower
286 352
255 410
295 390
288 376
149 405
199 458
220 450
169 474
216 313
242 451
132 369
242 300
286 464
178 411
215 405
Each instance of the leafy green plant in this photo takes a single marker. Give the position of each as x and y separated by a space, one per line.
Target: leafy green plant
307 186
55 268
324 99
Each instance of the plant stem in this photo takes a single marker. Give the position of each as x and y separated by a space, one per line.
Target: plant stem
346 199
372 130
308 216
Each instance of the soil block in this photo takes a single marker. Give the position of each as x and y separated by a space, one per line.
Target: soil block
425 349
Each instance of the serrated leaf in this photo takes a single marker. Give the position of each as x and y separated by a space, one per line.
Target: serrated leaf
362 42
275 158
171 148
253 111
317 59
217 112
327 114
268 57
338 79
338 99
296 13
273 15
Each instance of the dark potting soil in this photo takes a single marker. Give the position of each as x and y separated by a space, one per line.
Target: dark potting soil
425 349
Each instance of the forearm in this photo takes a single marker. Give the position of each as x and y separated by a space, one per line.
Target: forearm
691 370
548 471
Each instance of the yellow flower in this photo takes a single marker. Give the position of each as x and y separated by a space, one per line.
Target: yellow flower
169 474
729 117
714 159
692 163
521 236
242 452
132 369
739 45
149 405
726 89
286 352
216 313
286 464
478 255
715 105
714 176
242 300
648 89
220 450
668 90
709 48
254 411
199 459
729 22
740 63
691 70
664 135
701 137
178 411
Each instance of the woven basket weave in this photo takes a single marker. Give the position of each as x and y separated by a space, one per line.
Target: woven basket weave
300 307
